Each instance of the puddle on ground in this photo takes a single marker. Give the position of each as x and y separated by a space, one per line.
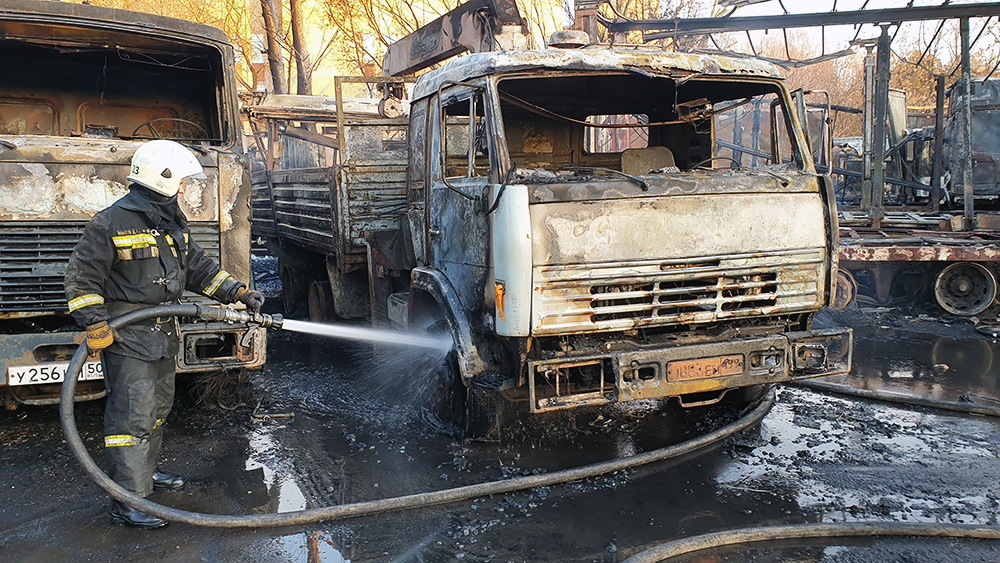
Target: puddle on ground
917 357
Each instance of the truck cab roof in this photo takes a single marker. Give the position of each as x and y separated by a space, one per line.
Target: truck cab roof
594 58
55 15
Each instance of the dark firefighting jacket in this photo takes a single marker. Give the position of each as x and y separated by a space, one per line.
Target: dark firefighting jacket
130 257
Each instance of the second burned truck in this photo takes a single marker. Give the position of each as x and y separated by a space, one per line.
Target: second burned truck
567 215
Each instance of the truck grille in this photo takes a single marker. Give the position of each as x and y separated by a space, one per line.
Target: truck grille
33 258
622 296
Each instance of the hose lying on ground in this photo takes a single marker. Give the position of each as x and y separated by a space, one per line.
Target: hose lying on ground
966 407
716 540
420 500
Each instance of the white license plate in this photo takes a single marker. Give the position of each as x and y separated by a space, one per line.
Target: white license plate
38 374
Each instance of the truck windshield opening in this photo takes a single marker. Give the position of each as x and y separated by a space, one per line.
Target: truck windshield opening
116 86
643 125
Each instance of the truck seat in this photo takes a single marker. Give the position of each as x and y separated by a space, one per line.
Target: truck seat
639 162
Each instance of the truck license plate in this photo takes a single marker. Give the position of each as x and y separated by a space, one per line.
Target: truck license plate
38 374
706 368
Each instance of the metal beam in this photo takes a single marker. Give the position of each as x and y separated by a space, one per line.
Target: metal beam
965 119
473 26
938 169
698 26
882 75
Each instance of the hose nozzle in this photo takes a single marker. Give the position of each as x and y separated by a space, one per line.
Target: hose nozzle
230 315
268 321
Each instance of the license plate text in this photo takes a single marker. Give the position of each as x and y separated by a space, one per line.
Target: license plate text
706 368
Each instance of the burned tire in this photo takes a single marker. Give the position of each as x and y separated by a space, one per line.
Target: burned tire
846 288
320 302
471 411
965 288
296 269
483 412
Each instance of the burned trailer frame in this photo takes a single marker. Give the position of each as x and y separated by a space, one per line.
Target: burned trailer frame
507 244
85 86
929 243
317 211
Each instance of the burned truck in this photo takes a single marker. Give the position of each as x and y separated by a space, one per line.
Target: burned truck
568 217
83 88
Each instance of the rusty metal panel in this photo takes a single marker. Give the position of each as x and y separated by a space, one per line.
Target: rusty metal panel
643 374
910 253
20 349
33 258
303 207
261 207
230 189
376 199
471 26
912 245
46 179
371 183
323 109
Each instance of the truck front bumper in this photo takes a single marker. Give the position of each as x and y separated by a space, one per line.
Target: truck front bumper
204 347
697 374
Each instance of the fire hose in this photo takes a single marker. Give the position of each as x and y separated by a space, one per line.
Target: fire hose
890 397
685 546
312 515
468 492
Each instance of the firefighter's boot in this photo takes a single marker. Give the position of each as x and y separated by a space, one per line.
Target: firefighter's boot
124 515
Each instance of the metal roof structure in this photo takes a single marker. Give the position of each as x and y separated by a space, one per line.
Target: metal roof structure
595 58
708 30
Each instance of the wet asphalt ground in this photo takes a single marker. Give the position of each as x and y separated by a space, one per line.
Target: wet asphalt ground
337 424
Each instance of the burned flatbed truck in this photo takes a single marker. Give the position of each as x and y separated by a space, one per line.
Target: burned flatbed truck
83 88
569 217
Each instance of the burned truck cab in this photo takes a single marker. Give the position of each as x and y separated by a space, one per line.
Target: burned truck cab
83 88
606 224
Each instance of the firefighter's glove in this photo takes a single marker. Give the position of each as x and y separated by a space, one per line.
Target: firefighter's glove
99 336
252 298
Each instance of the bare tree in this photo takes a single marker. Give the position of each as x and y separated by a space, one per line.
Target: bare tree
303 65
272 31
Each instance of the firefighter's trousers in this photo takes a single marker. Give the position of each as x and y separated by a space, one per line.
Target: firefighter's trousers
140 394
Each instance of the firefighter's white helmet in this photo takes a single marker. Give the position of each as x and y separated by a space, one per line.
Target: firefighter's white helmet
160 165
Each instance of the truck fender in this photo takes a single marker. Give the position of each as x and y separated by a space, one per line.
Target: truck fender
833 236
430 282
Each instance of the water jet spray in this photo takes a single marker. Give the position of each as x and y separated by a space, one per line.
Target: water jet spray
373 335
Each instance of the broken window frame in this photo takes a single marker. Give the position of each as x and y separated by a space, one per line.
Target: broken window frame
450 93
216 123
794 140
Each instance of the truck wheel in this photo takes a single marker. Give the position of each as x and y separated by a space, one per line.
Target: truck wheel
449 394
472 412
291 290
320 301
483 413
296 269
965 288
846 288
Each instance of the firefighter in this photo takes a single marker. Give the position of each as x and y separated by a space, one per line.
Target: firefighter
139 253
